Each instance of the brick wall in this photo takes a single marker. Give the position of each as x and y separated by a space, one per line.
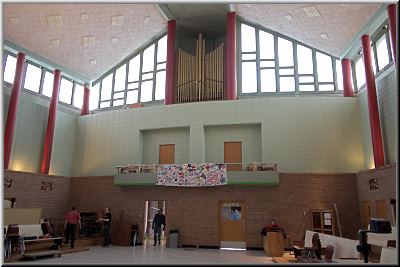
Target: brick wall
386 177
26 188
194 211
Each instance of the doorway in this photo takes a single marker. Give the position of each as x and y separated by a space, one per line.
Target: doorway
151 208
233 156
232 225
167 154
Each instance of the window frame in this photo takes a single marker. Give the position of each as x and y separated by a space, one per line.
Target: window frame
277 68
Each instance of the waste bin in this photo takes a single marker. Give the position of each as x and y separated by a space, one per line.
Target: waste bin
173 238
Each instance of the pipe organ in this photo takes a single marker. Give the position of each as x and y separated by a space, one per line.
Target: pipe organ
200 77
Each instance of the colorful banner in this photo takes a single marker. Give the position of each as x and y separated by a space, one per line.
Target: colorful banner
206 174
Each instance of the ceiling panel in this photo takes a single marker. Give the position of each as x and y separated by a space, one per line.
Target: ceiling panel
140 23
340 22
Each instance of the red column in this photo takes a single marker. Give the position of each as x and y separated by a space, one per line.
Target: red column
12 109
373 109
169 75
392 27
346 74
51 122
231 57
85 105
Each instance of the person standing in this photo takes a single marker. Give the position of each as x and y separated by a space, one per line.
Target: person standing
72 218
159 219
107 227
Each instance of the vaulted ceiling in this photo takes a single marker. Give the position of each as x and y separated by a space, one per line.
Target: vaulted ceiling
89 39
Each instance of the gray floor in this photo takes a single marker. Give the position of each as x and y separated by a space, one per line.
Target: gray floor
156 255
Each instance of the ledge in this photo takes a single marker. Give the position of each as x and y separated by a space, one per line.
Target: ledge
234 178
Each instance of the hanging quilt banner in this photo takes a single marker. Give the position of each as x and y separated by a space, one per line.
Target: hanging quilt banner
205 174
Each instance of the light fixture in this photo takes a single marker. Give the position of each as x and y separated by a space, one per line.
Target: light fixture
117 20
14 20
288 17
324 36
146 19
54 21
93 61
233 248
89 41
114 40
55 42
311 11
84 16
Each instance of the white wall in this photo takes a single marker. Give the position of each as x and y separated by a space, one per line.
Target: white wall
301 134
387 93
30 131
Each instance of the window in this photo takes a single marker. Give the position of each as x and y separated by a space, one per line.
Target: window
382 52
160 85
94 97
48 84
268 83
248 38
162 49
132 97
65 91
120 75
267 45
9 70
32 78
360 73
134 69
148 59
78 96
146 91
324 68
304 60
106 87
249 77
339 75
285 53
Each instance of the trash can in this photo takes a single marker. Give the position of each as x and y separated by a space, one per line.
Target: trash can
174 238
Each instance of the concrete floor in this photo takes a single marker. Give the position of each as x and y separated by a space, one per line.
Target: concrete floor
155 255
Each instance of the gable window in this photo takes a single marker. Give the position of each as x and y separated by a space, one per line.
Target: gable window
32 78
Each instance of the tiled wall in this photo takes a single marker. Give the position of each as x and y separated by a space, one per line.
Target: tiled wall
387 93
30 132
152 139
194 211
248 134
301 134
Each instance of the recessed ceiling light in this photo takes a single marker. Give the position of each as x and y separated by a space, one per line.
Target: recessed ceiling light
117 20
93 61
146 19
114 40
84 16
14 20
89 41
288 17
54 21
311 11
324 36
55 42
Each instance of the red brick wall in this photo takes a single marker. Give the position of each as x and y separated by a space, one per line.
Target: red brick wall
386 177
26 189
194 211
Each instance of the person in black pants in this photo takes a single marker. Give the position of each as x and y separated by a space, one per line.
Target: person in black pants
159 219
107 227
72 218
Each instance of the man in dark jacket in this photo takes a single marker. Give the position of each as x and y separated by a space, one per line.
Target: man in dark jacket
159 219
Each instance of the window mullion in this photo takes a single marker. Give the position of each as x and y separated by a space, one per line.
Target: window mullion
140 78
154 71
277 78
296 69
315 70
335 82
258 72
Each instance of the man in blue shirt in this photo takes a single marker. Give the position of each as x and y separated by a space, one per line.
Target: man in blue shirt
159 219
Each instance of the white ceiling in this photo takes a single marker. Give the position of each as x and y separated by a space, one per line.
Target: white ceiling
341 22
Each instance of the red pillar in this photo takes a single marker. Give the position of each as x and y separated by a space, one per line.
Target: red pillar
12 109
51 122
373 109
346 74
231 57
392 27
85 105
169 75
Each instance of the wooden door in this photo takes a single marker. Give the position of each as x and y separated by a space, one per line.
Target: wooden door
233 154
167 154
232 224
366 214
381 209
